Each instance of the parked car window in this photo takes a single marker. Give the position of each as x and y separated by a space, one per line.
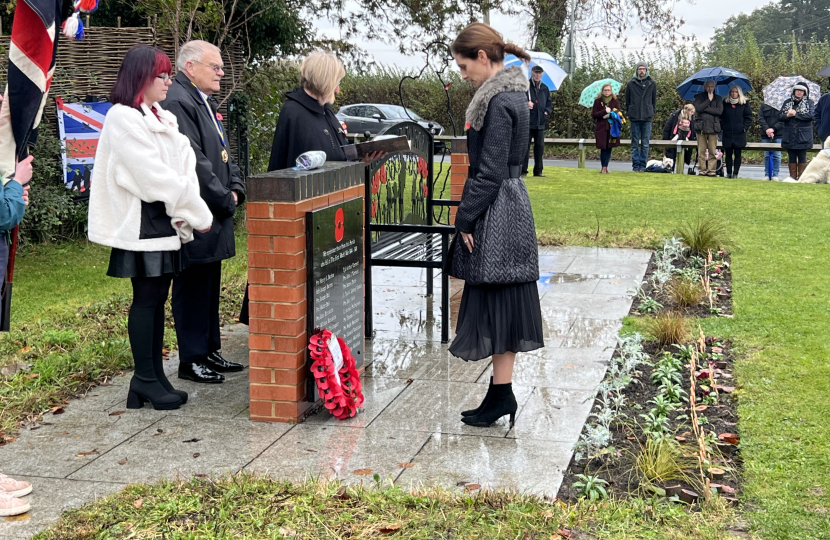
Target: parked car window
372 111
394 111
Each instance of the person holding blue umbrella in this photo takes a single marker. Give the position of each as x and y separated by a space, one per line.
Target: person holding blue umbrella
708 110
640 104
540 108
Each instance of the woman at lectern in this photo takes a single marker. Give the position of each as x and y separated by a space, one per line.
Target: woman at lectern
495 246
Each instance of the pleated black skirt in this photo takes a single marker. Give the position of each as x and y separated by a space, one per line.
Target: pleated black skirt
495 319
130 264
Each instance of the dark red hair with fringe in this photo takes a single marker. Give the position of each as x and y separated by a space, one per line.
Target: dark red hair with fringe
140 66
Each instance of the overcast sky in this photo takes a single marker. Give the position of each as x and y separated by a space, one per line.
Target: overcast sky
701 16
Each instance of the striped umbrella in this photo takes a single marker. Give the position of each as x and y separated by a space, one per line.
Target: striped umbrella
553 75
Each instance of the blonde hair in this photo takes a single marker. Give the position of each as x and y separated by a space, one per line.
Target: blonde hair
613 95
321 73
687 111
741 98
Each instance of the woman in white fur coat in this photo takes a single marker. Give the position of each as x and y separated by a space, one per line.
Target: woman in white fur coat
145 205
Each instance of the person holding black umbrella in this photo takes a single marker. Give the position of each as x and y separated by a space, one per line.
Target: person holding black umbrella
708 108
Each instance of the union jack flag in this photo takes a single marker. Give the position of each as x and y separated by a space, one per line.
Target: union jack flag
32 54
80 127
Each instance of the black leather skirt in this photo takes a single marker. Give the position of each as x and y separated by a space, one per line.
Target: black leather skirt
130 264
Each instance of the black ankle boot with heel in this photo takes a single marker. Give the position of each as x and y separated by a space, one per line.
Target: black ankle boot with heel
473 412
502 402
151 391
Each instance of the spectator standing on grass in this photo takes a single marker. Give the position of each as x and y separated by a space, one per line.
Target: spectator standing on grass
145 205
679 127
500 313
708 109
769 118
822 118
797 135
196 289
540 108
604 104
640 104
735 121
12 207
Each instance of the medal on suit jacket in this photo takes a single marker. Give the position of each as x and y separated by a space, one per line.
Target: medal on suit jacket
215 123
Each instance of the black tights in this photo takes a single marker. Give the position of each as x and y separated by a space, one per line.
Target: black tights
146 322
728 153
796 156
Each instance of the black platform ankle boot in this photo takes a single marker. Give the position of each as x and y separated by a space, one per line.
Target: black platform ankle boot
158 360
501 402
478 409
145 386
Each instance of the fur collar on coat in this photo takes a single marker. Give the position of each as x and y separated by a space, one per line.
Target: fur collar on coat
510 79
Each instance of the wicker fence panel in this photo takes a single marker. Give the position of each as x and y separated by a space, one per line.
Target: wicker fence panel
86 70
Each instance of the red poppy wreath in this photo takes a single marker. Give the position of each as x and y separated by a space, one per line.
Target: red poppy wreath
339 388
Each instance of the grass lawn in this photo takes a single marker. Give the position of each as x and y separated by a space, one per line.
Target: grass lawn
781 313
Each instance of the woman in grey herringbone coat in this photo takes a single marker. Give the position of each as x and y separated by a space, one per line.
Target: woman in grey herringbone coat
496 251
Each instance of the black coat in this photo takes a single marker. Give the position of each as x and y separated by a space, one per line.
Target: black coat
735 121
496 142
640 99
770 117
542 105
798 130
707 114
305 125
217 178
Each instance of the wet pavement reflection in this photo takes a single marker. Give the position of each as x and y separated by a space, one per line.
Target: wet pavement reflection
410 430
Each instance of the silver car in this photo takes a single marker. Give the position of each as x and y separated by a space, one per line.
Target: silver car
376 118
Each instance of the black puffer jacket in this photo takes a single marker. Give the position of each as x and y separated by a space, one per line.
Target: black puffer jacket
495 206
798 129
770 117
305 125
217 177
735 121
707 114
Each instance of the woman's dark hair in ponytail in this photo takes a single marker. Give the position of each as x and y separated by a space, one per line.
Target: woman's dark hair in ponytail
483 37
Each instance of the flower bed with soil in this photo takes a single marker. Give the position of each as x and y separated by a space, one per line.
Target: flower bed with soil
664 419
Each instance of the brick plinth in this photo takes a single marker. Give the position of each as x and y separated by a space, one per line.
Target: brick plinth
458 172
277 205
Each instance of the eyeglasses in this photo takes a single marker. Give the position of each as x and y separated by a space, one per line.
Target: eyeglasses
214 67
164 77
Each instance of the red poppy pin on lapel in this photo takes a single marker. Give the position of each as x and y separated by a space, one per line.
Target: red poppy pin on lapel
219 117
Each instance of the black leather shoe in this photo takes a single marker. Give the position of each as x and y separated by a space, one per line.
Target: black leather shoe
200 373
217 362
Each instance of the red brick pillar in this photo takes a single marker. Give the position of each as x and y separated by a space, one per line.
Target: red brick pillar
277 206
458 174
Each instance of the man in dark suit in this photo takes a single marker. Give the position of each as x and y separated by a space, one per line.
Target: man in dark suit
540 107
196 290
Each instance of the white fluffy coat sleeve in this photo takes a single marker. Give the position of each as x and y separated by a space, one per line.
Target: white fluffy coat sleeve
142 171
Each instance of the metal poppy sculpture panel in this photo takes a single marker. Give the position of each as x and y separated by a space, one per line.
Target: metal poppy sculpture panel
399 184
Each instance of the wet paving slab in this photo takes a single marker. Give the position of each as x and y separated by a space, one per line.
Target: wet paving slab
409 431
